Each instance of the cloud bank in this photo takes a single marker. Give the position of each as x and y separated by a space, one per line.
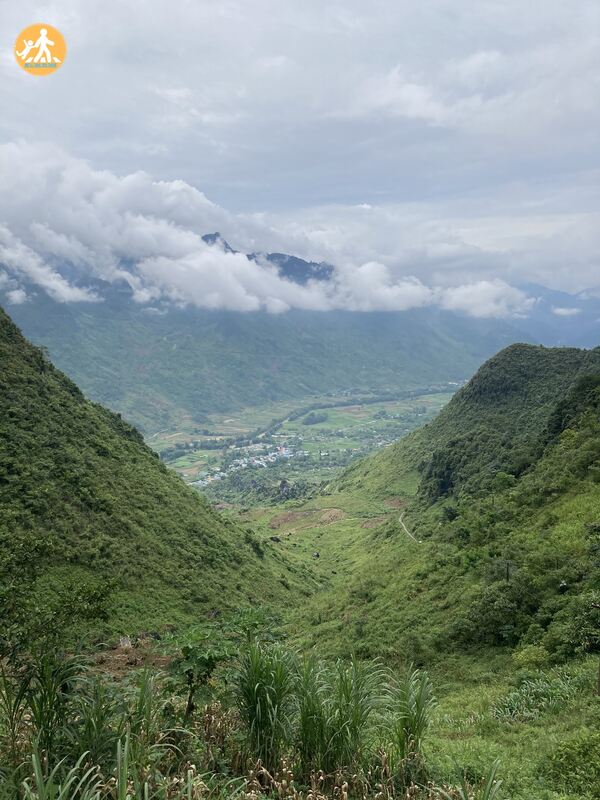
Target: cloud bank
442 153
65 227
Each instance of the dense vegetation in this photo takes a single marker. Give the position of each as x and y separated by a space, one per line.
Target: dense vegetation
504 506
159 367
214 725
470 547
92 519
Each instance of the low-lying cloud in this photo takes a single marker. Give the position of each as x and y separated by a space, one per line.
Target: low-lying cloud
65 226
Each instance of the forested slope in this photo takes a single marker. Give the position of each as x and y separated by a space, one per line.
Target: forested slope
85 503
502 495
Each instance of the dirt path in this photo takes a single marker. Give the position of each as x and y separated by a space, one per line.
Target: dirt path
401 520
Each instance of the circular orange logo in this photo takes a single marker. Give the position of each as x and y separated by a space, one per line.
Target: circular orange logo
40 49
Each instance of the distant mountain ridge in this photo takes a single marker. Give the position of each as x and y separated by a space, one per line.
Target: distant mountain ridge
289 267
560 318
159 364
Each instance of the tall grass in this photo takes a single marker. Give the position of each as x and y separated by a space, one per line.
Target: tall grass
98 721
13 708
314 732
50 696
148 737
412 703
336 706
76 783
265 697
356 694
67 734
547 692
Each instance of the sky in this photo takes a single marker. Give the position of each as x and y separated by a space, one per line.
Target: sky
437 153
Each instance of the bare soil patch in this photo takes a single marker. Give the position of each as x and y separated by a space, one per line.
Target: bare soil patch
121 660
375 522
396 502
290 518
332 515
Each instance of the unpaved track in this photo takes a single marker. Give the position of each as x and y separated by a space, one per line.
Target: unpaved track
401 520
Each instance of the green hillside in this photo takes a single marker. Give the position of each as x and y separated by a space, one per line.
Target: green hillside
496 532
159 367
470 547
85 502
494 423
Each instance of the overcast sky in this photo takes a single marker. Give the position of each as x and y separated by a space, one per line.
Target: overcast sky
442 151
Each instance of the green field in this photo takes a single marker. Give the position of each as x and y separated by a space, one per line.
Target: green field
347 431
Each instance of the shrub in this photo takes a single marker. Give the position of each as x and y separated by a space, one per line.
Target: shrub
533 656
548 692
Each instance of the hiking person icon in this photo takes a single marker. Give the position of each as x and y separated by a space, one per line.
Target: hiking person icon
40 49
43 49
25 51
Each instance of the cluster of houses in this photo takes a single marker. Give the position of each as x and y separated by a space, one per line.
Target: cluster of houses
255 457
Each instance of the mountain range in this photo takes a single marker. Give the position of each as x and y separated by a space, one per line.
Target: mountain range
160 364
489 534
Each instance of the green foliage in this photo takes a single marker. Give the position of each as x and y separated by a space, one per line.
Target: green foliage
50 694
78 782
412 703
531 656
488 789
501 495
264 687
314 418
542 694
198 662
352 694
326 711
316 724
93 528
574 766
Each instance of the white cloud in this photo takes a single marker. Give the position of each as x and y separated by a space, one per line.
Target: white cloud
451 142
16 297
148 233
487 299
396 95
22 261
566 312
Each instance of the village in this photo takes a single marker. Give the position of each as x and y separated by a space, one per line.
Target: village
253 454
257 456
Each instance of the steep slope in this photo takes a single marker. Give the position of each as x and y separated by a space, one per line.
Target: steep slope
156 366
497 534
83 485
494 423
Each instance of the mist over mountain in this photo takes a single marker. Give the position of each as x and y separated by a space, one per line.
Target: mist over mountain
158 364
157 360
